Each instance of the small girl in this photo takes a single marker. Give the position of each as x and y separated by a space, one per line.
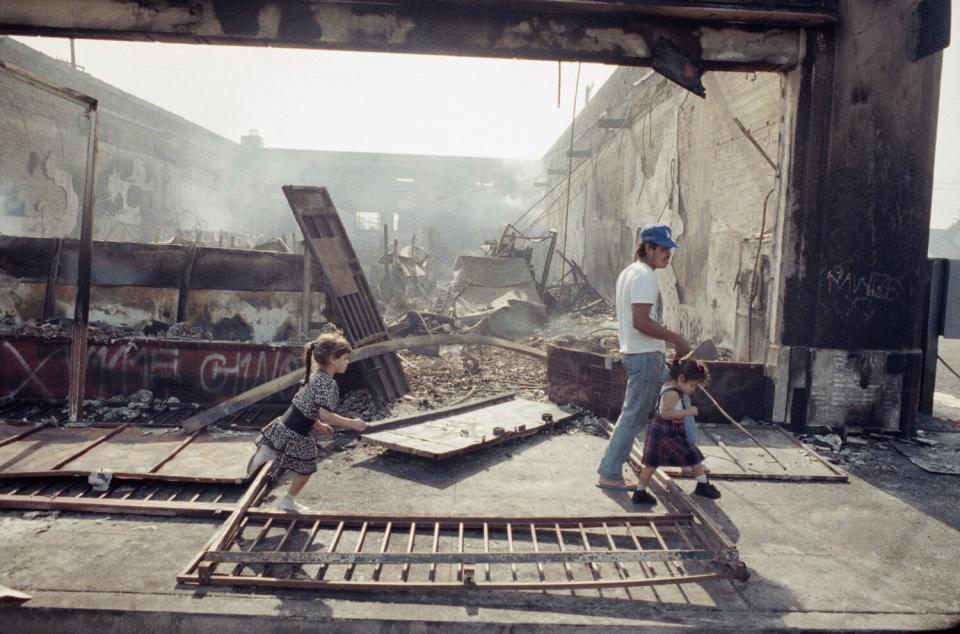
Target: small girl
667 443
290 440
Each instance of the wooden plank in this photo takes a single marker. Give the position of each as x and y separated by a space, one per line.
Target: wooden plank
88 447
21 435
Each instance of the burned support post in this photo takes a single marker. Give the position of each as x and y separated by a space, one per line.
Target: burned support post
78 347
81 309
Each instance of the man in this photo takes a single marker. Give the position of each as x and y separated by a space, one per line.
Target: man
642 343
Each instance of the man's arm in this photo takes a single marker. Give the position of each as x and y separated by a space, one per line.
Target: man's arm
643 323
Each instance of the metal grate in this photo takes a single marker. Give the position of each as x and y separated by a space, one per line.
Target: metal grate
367 552
123 495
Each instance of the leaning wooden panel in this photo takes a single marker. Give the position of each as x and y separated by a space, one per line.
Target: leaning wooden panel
345 286
461 430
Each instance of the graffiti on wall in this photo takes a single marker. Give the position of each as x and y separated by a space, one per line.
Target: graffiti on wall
202 374
862 291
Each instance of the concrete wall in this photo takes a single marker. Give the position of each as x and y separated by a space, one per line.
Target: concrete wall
157 173
683 161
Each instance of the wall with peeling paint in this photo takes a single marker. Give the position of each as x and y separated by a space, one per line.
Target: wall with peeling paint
685 162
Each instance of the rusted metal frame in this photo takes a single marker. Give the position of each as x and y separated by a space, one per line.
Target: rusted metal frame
513 566
486 548
566 564
308 584
411 539
332 547
176 492
594 568
312 535
177 450
434 549
128 475
380 559
286 537
663 544
88 447
348 573
50 295
62 490
536 549
114 506
256 540
611 545
474 521
227 533
384 544
22 435
460 550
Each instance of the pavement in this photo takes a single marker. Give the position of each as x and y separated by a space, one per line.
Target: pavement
877 553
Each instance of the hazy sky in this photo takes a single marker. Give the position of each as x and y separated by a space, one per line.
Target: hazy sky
331 100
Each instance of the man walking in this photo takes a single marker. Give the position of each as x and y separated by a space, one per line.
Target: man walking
642 343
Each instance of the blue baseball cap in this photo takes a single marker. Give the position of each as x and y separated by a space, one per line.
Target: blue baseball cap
658 234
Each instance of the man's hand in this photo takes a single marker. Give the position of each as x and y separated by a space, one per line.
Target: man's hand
323 428
681 347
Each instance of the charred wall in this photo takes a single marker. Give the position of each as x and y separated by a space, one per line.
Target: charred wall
675 158
231 294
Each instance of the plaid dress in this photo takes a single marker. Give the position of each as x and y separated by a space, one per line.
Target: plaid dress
298 452
666 444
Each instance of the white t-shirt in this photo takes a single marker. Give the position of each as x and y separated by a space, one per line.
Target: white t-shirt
637 284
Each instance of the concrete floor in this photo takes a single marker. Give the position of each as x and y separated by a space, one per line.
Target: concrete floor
822 556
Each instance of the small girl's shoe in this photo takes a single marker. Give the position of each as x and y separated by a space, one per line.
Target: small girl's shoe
642 497
707 490
290 505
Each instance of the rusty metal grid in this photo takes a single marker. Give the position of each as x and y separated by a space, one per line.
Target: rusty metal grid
367 552
123 496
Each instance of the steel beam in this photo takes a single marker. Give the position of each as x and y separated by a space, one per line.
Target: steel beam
722 33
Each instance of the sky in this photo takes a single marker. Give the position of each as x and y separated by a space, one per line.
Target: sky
414 104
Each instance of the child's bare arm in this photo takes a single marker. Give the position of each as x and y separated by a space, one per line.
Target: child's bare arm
670 400
337 421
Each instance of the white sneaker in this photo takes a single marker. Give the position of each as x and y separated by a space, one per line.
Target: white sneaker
290 505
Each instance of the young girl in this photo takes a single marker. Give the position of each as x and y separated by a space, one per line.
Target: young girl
290 440
667 443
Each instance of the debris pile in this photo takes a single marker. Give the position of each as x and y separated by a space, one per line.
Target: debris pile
140 404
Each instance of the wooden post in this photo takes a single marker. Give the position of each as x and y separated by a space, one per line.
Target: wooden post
81 309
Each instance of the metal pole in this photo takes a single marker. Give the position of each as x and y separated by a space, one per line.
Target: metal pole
73 54
81 309
566 214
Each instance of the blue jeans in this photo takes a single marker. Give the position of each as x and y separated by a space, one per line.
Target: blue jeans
645 374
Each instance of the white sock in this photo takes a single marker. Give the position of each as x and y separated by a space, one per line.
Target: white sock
702 478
